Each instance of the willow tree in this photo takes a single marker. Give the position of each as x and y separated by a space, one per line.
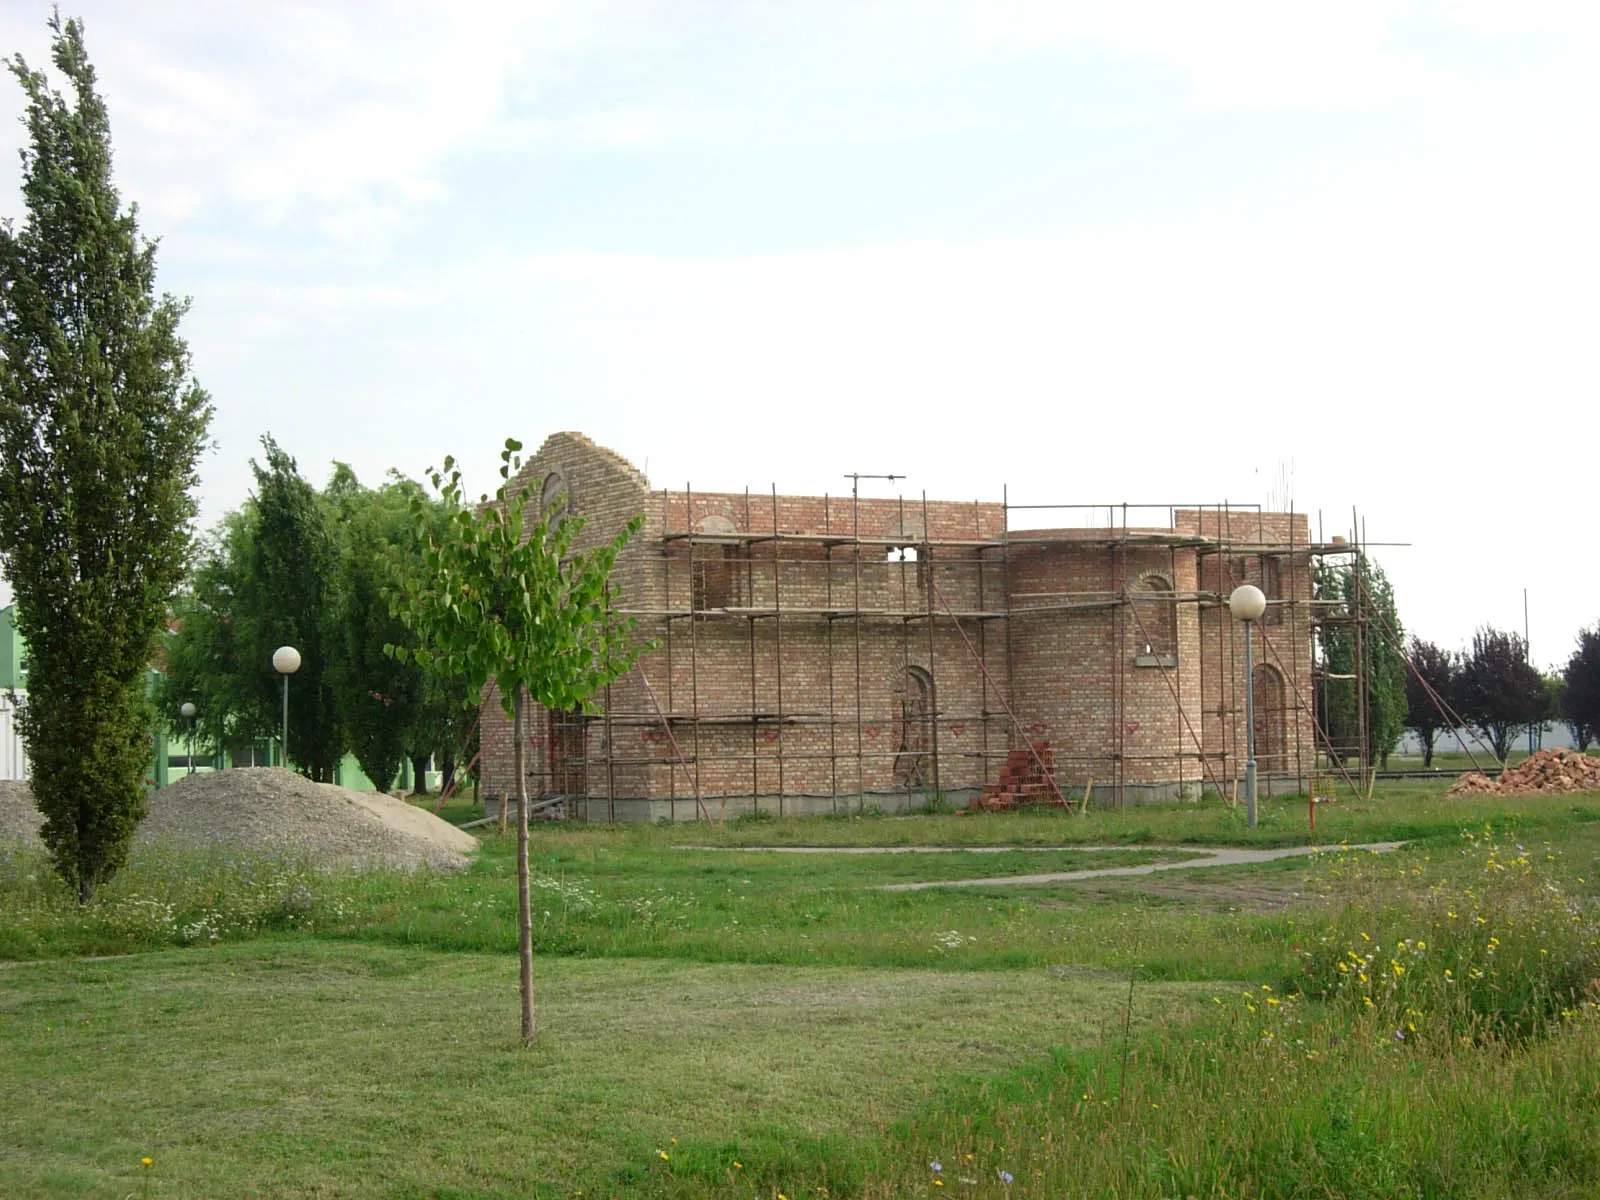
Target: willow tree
101 427
499 598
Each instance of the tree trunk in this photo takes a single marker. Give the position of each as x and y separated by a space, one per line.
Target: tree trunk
1427 737
524 907
419 774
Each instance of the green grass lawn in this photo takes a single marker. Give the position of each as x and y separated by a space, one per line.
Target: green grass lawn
300 1068
272 1031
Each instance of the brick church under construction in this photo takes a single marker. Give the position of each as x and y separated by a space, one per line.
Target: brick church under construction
824 653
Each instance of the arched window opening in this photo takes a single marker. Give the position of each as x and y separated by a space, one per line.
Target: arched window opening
1155 631
555 500
1272 587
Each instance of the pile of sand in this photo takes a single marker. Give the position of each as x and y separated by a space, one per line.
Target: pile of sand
269 810
1549 772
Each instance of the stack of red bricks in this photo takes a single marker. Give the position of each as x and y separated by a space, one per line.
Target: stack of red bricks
1544 773
1023 781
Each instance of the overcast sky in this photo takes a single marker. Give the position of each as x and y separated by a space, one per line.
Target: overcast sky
1147 252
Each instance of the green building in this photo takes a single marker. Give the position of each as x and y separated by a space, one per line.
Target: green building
13 652
171 757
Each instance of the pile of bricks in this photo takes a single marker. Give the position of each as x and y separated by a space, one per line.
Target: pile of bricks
1545 773
1023 781
1474 783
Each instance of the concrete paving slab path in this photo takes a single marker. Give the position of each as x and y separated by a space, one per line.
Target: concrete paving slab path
1203 856
1224 856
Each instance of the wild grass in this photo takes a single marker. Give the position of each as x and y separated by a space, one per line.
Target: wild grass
167 897
1418 1023
1439 1048
1399 809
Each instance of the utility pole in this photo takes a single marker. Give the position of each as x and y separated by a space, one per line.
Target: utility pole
1527 649
855 478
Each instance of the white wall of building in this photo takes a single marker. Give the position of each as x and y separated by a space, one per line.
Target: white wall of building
13 761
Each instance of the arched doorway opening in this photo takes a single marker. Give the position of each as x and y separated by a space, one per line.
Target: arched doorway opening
1271 723
913 760
568 762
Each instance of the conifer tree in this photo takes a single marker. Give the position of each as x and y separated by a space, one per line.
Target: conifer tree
101 427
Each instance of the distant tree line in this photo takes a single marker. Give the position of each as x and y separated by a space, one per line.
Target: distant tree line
1495 691
1490 687
295 566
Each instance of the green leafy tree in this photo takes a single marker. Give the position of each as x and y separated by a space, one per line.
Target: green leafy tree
231 617
445 727
391 710
1437 667
101 428
1367 589
291 586
504 600
1580 692
1554 689
209 652
1500 692
380 698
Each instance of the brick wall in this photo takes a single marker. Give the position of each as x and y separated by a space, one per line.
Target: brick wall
769 616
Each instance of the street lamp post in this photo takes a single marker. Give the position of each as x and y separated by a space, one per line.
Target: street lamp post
1247 603
188 710
286 661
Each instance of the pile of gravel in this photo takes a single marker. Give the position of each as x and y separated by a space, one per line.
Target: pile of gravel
269 810
19 819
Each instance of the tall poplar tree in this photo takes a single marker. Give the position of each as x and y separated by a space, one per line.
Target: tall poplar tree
101 427
1383 666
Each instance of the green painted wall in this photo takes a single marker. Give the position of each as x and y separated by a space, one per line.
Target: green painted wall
13 654
168 743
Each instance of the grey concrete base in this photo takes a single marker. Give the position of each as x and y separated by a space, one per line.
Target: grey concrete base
1104 795
634 809
1266 785
638 809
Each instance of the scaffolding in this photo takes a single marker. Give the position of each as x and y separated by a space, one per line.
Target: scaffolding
944 603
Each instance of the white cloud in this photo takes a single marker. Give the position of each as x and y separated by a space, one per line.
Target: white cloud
1413 332
296 114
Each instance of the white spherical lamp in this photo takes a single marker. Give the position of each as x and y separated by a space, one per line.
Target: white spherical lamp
286 661
1247 602
188 710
